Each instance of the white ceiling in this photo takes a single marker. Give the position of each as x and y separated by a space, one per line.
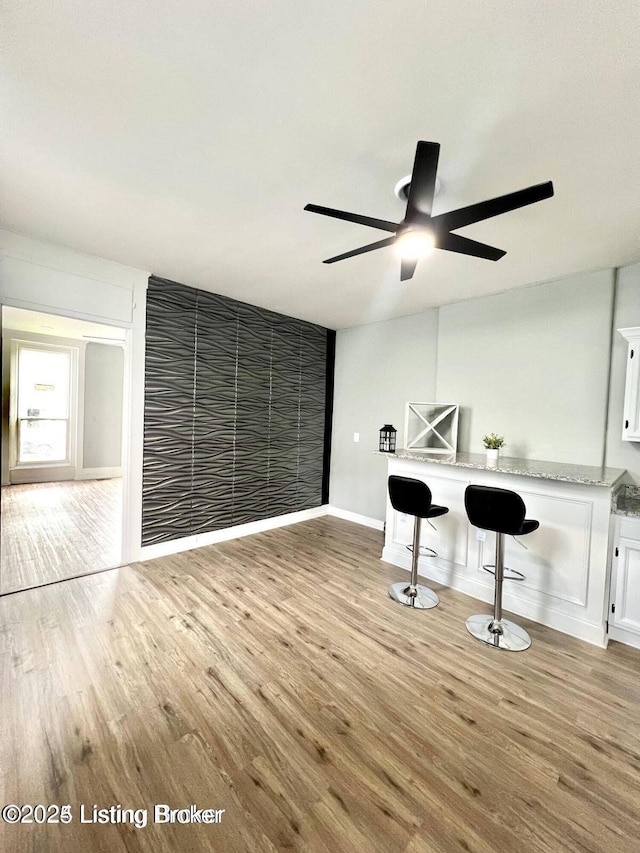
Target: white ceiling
186 136
21 320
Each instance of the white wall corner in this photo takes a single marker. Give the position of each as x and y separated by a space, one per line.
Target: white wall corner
133 425
356 517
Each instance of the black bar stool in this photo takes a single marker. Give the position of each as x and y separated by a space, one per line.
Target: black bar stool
502 511
413 497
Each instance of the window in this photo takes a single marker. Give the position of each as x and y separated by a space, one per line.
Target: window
44 404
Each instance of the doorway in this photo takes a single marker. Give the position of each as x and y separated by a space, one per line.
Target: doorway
43 392
62 448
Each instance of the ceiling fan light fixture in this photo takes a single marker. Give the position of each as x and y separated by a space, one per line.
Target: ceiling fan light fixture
415 244
416 234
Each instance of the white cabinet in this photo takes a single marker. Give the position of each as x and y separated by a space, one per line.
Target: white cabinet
631 415
624 610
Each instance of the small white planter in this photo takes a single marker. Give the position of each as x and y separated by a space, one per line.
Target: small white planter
492 455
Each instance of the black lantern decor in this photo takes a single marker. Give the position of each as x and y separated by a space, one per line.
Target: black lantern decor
388 439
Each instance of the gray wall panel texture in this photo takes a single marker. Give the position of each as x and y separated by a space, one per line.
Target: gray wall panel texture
234 413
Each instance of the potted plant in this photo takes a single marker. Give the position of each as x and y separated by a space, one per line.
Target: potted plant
493 443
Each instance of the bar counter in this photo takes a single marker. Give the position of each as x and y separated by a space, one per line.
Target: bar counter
566 562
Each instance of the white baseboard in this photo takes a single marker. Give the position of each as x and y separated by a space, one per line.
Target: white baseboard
355 517
43 474
187 543
98 473
621 635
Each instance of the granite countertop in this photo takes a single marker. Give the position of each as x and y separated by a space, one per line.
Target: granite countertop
626 500
590 475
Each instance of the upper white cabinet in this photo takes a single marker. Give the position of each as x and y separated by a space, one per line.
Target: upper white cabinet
631 415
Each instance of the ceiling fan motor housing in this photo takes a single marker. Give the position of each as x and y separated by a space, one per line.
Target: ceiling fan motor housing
403 188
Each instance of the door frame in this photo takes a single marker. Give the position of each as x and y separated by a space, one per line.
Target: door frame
132 409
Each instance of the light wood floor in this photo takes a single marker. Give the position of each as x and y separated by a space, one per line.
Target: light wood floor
58 530
272 677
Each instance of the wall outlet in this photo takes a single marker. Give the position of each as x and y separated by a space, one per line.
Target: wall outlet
356 437
481 535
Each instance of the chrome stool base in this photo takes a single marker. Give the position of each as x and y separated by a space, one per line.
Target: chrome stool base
505 635
423 599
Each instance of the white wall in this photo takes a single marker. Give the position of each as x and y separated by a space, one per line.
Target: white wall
539 364
619 453
379 367
42 276
103 378
531 364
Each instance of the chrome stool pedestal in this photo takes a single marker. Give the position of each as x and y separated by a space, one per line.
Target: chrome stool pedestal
414 594
413 497
502 511
494 630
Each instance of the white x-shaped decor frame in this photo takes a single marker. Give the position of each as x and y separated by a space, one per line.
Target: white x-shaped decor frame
432 415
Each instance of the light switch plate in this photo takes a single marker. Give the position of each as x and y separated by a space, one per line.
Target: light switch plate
356 437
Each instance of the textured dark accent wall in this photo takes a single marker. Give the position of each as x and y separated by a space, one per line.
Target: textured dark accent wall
235 413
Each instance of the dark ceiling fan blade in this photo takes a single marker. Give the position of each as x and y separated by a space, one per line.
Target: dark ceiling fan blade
493 207
423 181
382 224
465 246
370 248
407 268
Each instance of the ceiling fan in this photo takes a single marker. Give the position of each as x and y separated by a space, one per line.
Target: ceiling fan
419 231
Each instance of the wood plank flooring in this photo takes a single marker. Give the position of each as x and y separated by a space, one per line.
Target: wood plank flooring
58 530
272 677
